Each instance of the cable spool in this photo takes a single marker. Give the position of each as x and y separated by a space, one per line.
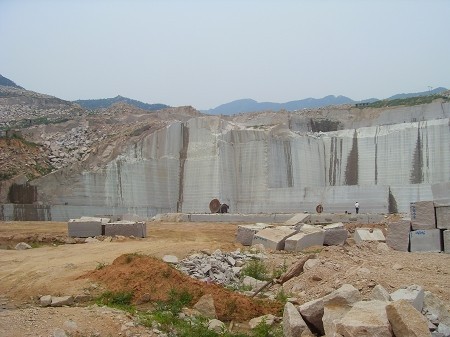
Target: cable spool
319 208
214 206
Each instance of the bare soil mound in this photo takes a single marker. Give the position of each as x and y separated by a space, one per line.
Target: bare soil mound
152 280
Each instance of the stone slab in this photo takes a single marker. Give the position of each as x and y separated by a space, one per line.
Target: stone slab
443 217
273 238
297 219
425 240
83 228
422 215
245 233
304 240
335 234
126 228
95 218
397 236
367 234
446 237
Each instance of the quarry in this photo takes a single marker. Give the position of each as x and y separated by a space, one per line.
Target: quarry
119 200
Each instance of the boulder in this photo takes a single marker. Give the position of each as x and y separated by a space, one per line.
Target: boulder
365 318
293 323
205 306
413 294
312 313
406 321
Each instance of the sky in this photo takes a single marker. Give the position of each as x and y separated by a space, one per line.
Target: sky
205 53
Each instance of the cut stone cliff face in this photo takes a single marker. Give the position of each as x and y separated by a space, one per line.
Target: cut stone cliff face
267 169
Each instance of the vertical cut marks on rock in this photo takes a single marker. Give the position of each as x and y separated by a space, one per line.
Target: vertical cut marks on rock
280 164
417 163
183 157
351 170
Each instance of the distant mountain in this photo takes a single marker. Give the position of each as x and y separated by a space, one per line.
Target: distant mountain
417 94
249 105
92 104
8 83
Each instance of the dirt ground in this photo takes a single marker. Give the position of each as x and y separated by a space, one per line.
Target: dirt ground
73 269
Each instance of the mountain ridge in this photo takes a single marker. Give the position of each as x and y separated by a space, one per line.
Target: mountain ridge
104 103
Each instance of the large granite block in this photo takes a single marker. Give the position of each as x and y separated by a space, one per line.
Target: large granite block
446 235
83 228
305 239
368 234
425 240
335 234
273 238
397 236
126 228
422 215
245 233
443 217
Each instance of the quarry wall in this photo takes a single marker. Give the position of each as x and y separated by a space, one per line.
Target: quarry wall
259 169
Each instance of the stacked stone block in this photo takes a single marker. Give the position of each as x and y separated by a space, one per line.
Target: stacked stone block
126 228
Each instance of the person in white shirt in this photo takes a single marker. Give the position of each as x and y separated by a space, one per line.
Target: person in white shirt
357 207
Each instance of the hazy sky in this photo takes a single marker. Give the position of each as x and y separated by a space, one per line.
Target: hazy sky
208 52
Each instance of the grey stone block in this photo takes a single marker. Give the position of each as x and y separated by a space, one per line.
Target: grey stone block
83 228
425 240
245 233
414 294
126 228
297 219
422 215
366 234
397 236
335 234
446 237
443 217
307 237
273 238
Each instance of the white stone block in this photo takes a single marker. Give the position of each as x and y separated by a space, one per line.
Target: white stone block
245 233
446 235
368 234
273 238
397 236
414 294
422 215
425 240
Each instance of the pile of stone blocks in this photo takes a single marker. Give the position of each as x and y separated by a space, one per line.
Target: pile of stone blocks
293 235
428 229
85 227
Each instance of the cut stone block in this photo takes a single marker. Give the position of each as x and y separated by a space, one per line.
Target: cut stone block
397 236
443 217
126 228
425 240
422 215
273 238
366 234
307 237
365 318
335 234
446 237
84 228
245 233
297 219
95 218
414 294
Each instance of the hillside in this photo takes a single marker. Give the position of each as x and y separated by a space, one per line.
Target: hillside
93 104
8 83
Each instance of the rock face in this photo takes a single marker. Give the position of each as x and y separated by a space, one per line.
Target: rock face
262 168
